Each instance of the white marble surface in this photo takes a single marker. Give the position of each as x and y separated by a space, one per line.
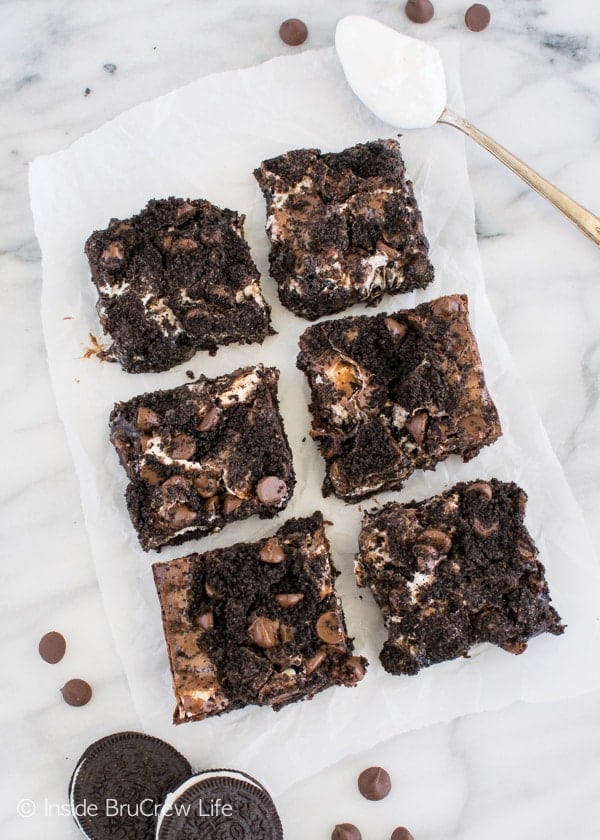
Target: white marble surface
532 80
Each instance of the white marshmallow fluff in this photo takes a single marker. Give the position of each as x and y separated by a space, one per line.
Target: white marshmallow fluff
400 79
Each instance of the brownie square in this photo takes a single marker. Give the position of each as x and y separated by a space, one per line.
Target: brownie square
392 394
255 623
203 454
176 278
343 227
452 571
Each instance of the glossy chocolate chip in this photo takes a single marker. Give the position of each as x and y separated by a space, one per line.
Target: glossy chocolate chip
477 17
374 783
417 426
180 516
206 486
231 504
212 591
329 628
272 552
264 632
440 540
76 692
445 307
149 475
480 487
52 647
271 490
346 831
397 329
289 599
401 833
146 419
419 11
484 530
356 666
313 662
183 447
293 32
210 419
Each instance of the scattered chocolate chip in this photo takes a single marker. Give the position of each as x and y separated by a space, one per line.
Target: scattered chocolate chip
231 504
374 783
313 663
401 833
210 419
271 490
446 306
183 447
272 552
346 831
289 599
484 530
419 11
206 621
477 17
293 32
329 628
52 647
263 632
206 486
417 426
355 664
397 329
76 692
110 68
181 516
440 540
146 419
480 487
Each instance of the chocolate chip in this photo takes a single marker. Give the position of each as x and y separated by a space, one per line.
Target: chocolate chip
113 253
210 419
477 17
401 833
480 487
76 692
231 504
473 425
289 599
346 831
417 426
329 628
485 530
183 447
184 210
313 663
293 32
427 557
146 419
149 475
271 490
52 647
212 592
355 664
263 632
446 306
397 329
374 783
206 486
438 539
272 552
419 11
206 621
180 516
286 634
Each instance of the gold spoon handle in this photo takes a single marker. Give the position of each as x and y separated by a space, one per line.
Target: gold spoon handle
585 221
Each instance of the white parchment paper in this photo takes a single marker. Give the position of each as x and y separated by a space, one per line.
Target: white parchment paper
204 141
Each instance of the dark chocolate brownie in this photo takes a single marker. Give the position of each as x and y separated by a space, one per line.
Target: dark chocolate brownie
343 227
203 454
256 623
392 394
452 571
174 279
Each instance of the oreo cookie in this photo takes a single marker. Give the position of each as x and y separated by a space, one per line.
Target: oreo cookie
219 805
120 783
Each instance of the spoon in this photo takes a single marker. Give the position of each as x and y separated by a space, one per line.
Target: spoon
401 80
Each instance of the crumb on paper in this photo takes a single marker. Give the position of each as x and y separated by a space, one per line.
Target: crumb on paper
67 317
87 91
96 348
190 374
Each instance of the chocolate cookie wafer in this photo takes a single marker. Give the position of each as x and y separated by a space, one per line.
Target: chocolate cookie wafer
120 783
220 805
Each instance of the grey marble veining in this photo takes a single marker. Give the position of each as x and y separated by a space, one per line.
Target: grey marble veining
532 81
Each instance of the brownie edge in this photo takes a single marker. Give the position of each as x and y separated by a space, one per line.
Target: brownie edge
452 571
